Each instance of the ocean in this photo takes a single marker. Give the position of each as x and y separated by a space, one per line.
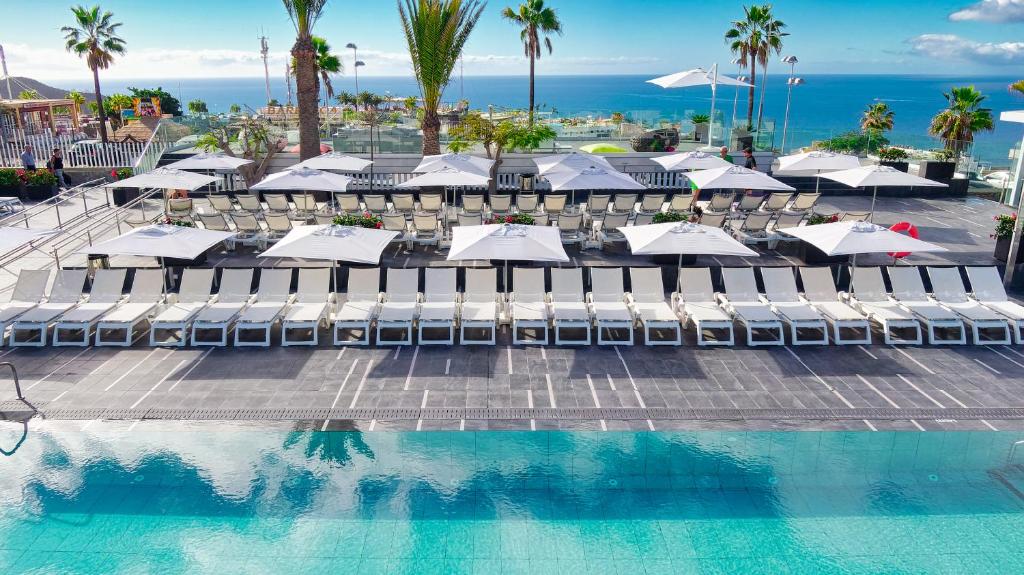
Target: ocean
825 105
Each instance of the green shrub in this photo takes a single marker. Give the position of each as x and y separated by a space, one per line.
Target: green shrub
40 178
524 219
364 220
666 217
890 154
854 142
1004 226
9 177
816 219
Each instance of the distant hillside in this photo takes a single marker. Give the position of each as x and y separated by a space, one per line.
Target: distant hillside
19 83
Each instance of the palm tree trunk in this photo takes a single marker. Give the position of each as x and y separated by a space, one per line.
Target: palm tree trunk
532 61
764 86
307 91
750 94
431 131
99 105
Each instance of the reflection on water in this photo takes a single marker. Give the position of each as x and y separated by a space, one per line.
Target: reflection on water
226 499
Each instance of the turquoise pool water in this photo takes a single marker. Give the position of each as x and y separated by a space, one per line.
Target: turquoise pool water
222 499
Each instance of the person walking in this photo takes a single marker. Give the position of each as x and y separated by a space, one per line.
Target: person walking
56 164
28 159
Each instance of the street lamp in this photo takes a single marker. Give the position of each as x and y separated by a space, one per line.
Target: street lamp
736 97
792 81
355 60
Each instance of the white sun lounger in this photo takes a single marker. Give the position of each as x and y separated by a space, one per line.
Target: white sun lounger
272 298
742 300
174 320
781 294
987 288
30 328
117 327
398 310
528 308
607 301
311 308
569 309
647 298
29 291
987 326
75 326
362 302
868 295
908 290
438 309
478 312
232 297
849 327
696 301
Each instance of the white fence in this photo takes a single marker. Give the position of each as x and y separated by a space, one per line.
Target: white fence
77 152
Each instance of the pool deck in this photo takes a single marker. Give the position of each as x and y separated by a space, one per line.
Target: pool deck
873 387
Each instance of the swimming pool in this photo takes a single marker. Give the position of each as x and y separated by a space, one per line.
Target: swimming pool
220 498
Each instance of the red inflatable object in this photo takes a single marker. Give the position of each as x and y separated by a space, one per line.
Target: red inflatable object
903 227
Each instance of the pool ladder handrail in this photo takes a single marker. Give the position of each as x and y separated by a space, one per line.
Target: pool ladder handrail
1013 450
14 373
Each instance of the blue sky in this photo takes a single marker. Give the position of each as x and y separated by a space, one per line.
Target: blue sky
218 38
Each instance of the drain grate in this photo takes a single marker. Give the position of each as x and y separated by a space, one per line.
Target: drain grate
567 414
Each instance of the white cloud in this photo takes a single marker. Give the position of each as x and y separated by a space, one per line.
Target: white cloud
953 47
992 11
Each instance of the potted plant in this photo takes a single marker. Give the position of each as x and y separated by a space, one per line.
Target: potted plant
122 195
10 182
894 158
1002 234
40 184
811 254
942 167
363 220
521 219
700 126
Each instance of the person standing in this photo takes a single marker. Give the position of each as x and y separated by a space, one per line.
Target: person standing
750 163
724 152
56 163
28 159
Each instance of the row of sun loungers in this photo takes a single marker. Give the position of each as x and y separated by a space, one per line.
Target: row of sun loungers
401 314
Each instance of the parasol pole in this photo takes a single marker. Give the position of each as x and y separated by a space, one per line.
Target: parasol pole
871 214
711 118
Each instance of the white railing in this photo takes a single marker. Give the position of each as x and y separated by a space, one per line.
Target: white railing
155 147
76 150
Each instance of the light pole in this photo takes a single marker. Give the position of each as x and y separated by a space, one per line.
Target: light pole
736 97
355 62
792 81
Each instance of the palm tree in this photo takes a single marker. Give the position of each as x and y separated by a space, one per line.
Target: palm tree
326 64
963 117
304 15
535 19
878 117
436 31
752 40
29 95
94 37
1017 87
76 97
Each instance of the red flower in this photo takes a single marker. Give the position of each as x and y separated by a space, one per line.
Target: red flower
508 219
379 225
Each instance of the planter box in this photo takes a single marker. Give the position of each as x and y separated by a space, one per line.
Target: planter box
11 191
180 263
812 255
124 195
1002 251
901 166
937 170
40 193
673 260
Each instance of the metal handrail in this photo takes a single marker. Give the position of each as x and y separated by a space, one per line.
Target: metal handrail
14 373
105 219
1013 450
53 203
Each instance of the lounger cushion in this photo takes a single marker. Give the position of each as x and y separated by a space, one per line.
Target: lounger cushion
13 310
886 311
754 312
797 312
655 311
930 311
1009 309
220 312
262 312
306 312
356 311
570 311
45 312
479 312
179 312
86 312
437 311
397 311
975 311
838 311
705 312
530 311
611 311
129 313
